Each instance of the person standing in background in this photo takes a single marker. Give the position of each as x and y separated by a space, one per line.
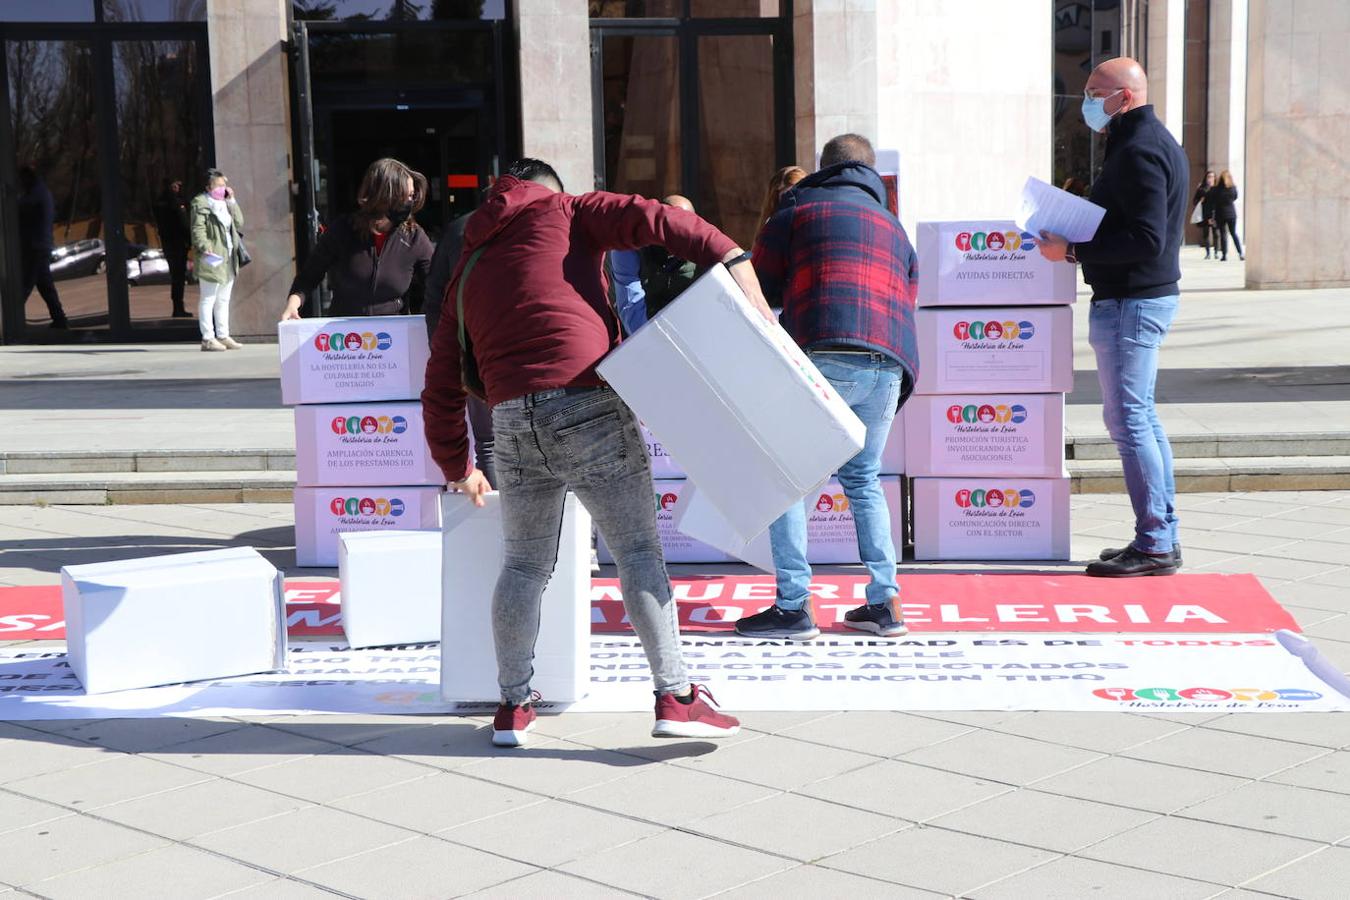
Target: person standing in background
376 259
779 181
37 219
1225 195
1203 199
646 281
216 225
171 221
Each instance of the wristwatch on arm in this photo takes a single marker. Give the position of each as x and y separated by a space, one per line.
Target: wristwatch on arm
1069 255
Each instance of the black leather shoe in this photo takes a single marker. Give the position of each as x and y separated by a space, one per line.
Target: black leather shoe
1113 552
1132 563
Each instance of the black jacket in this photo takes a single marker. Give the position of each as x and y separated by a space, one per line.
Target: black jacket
37 217
443 264
1144 186
1222 200
362 283
171 220
1205 197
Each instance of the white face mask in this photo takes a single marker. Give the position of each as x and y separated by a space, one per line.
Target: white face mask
1094 111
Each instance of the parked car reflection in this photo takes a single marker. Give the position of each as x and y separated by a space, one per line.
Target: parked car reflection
148 267
78 259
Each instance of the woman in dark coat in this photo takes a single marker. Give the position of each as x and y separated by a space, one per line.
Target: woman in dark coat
1225 194
1203 196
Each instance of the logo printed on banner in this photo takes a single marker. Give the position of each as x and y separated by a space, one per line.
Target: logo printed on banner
994 498
369 425
352 341
986 413
1206 694
994 330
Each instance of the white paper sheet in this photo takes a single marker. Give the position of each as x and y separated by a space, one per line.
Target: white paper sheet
1047 208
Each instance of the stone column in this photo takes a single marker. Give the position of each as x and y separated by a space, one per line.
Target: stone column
1298 126
965 96
555 87
1166 62
835 71
1227 136
250 94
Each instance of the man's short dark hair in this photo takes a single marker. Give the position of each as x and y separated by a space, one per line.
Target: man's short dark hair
848 148
528 169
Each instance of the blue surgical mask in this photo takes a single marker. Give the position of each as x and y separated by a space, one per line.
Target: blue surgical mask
1094 111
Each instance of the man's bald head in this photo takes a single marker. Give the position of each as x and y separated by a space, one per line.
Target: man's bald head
678 202
1122 81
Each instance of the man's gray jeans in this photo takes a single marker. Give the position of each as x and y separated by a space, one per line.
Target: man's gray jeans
584 440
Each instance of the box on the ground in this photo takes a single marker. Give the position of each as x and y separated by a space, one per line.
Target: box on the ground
470 564
694 532
991 518
736 401
138 623
665 466
322 513
363 443
985 434
391 587
986 263
1002 349
352 359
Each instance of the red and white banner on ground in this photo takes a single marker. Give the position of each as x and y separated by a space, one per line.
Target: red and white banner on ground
1182 604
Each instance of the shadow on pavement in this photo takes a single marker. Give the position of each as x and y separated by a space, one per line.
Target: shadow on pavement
1275 384
50 553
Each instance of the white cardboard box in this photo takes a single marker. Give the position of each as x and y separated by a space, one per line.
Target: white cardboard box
831 537
471 563
991 518
355 359
985 434
363 443
322 513
138 623
736 401
665 466
391 587
988 262
1002 349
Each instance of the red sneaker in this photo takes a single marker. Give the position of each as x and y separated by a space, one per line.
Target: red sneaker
695 719
512 723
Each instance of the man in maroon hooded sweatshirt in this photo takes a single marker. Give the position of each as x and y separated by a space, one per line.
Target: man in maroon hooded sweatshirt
537 314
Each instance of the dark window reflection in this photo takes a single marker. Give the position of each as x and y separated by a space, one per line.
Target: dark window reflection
698 9
160 125
47 10
733 9
403 58
1086 33
397 10
154 10
642 115
52 112
736 139
636 9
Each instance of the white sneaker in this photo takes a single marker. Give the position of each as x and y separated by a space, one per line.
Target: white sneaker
231 344
212 344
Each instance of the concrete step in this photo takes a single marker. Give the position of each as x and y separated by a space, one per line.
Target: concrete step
1233 473
1208 446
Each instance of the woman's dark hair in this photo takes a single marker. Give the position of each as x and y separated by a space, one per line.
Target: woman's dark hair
384 188
528 169
211 175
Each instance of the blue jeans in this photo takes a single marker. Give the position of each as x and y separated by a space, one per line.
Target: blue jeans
1126 335
870 384
585 440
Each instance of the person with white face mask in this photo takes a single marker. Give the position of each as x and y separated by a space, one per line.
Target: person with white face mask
215 223
1133 265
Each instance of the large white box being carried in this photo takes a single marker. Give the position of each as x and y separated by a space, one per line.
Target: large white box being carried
356 359
391 587
991 518
1002 349
988 262
470 564
734 399
665 466
322 513
985 434
363 443
138 623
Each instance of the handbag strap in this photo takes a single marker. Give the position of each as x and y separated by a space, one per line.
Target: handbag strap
459 297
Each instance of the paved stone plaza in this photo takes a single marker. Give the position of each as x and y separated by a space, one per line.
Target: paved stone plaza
983 805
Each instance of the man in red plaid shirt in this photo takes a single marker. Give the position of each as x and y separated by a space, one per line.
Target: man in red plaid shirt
844 271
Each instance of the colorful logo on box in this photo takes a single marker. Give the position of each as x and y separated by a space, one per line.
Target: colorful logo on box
993 498
352 341
832 503
366 506
369 425
994 330
667 500
1205 694
986 413
995 241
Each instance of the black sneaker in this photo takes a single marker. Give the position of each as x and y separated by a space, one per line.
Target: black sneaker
776 622
1113 552
1133 563
882 618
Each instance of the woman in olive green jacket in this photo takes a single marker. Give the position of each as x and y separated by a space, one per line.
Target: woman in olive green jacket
216 225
